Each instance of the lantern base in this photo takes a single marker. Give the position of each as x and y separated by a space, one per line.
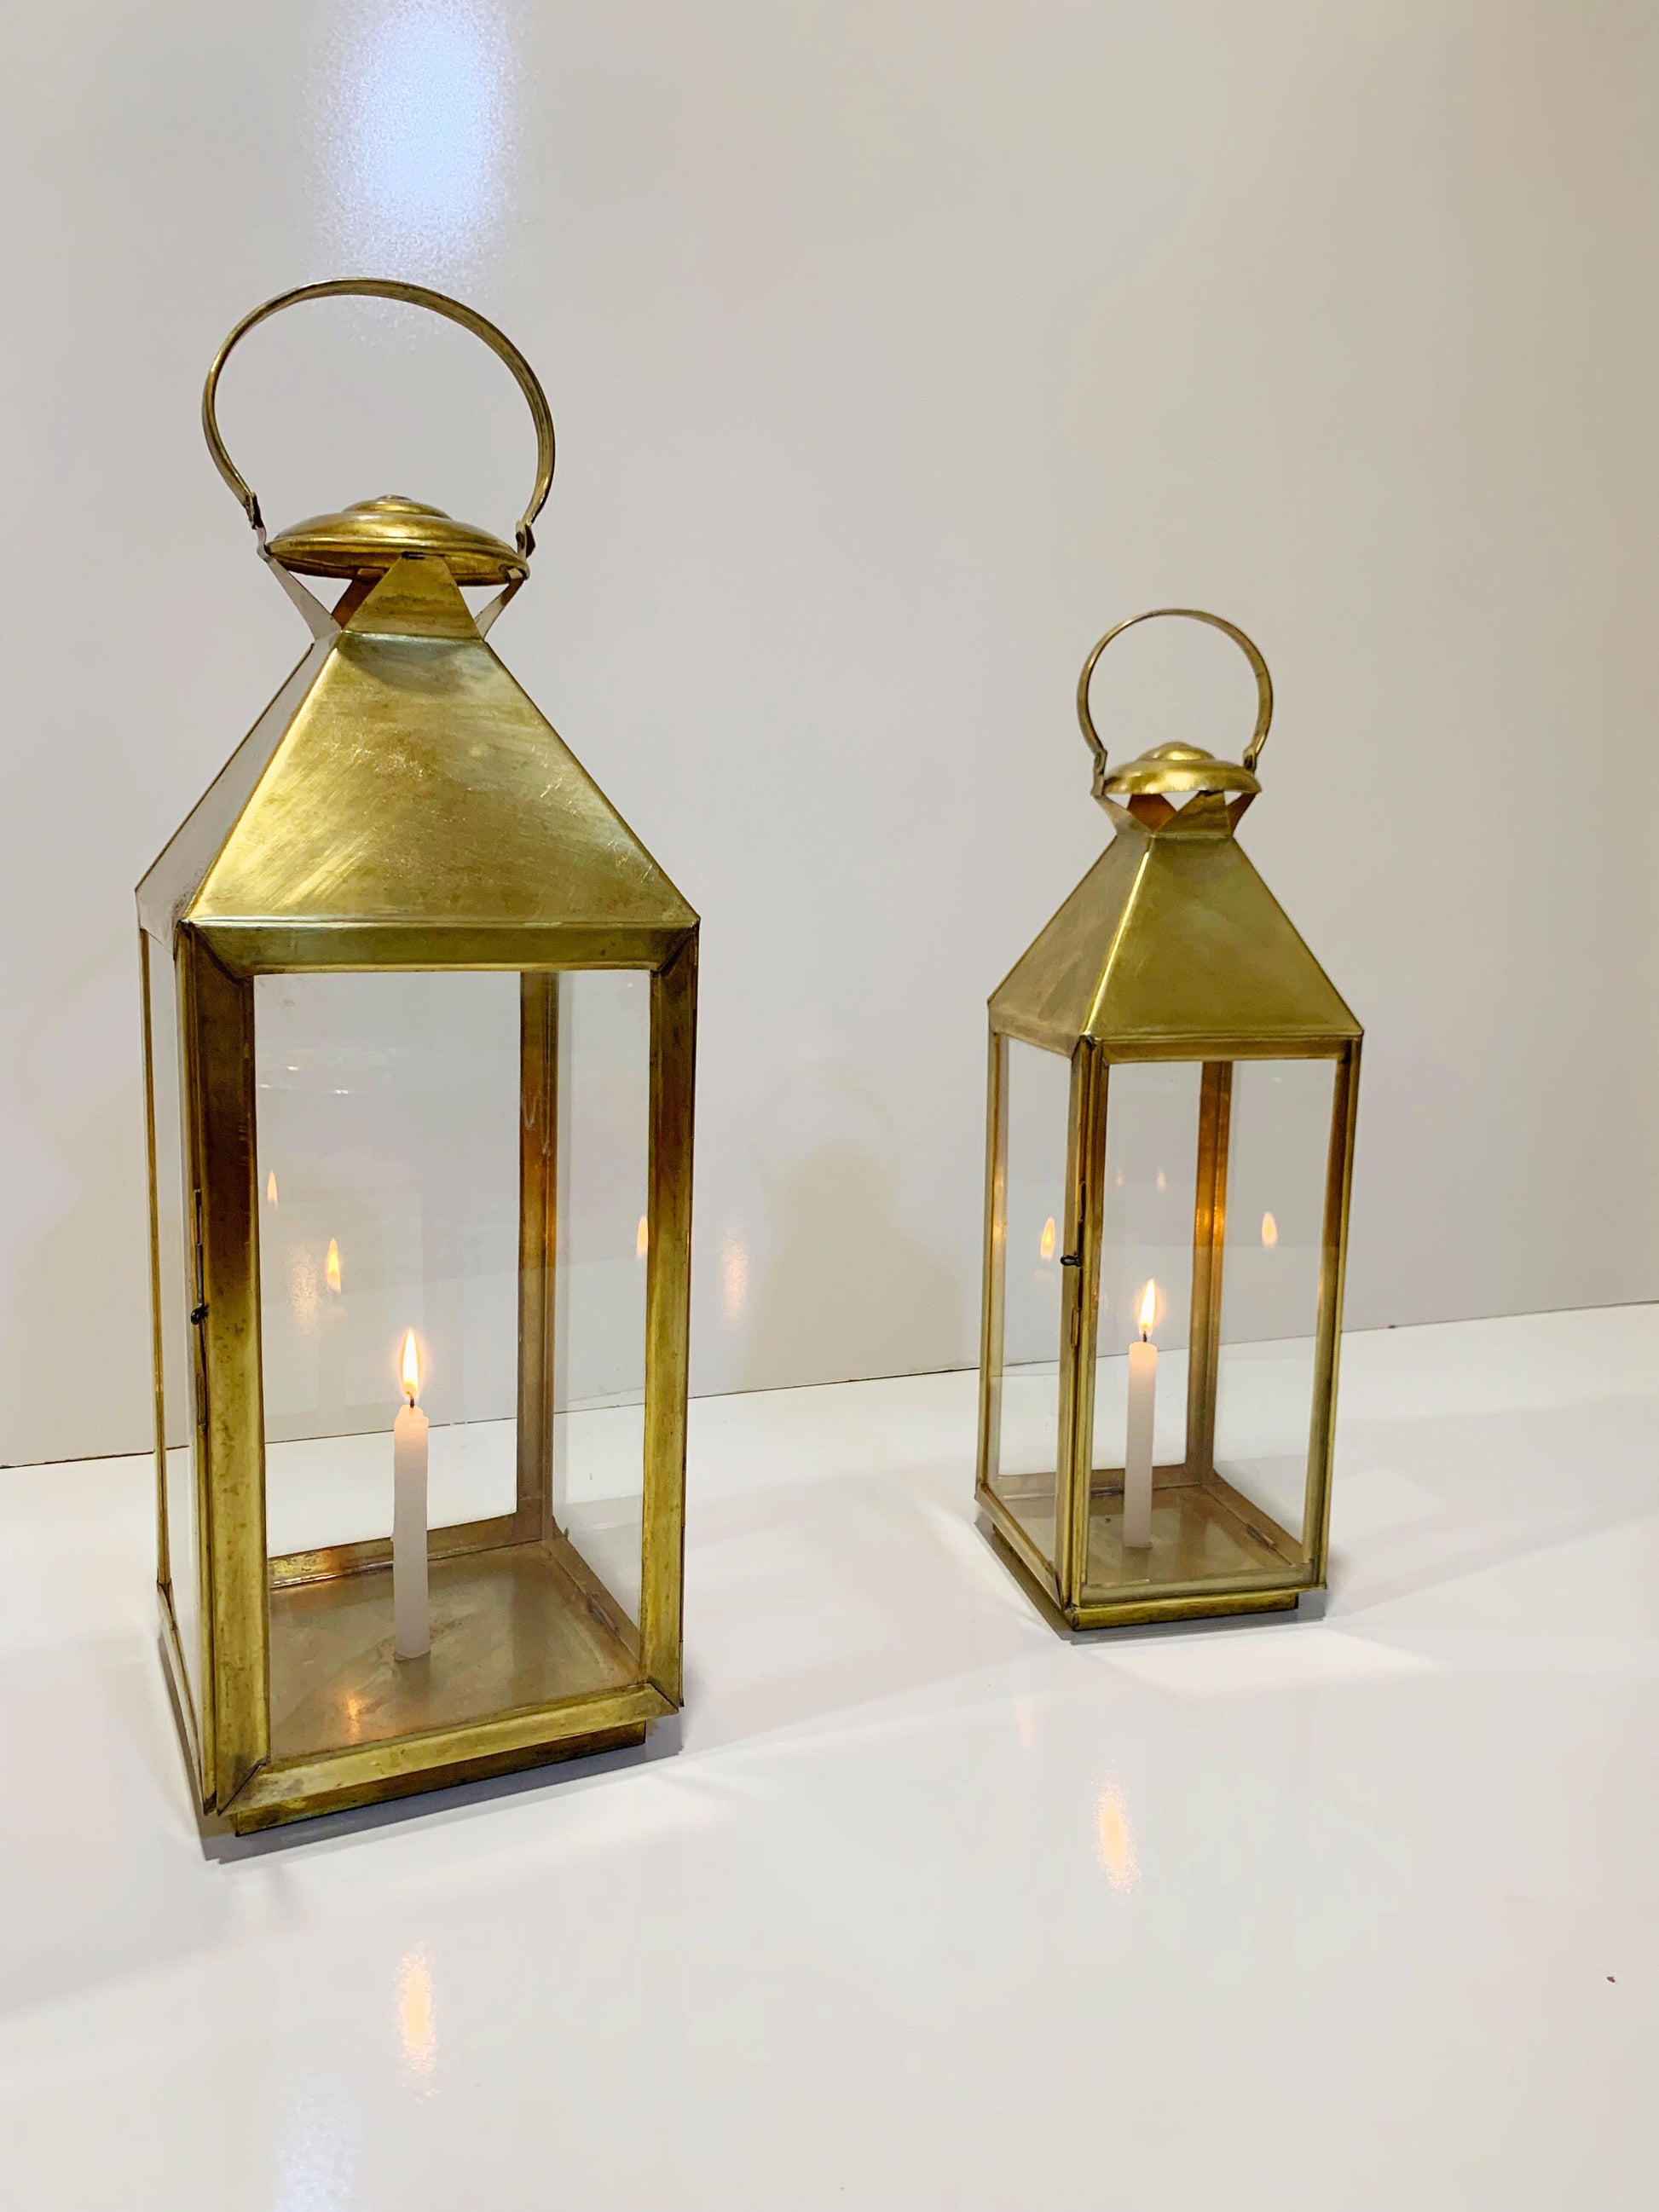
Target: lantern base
518 1625
1199 1538
531 1662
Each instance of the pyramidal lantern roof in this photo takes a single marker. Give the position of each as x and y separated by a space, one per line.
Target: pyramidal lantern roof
403 802
1172 946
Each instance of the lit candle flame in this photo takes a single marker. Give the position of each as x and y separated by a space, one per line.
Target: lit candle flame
642 1238
1046 1248
1148 1307
270 1187
1269 1230
331 1268
411 1367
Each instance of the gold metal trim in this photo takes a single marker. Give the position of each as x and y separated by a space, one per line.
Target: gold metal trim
539 1222
331 1781
218 1028
1338 1191
414 295
1209 1251
996 1248
1264 684
668 1316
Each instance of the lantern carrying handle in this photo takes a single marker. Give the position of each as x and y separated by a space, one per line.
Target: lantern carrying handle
414 295
1264 682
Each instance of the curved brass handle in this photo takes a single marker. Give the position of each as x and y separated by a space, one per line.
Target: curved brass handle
414 295
1264 683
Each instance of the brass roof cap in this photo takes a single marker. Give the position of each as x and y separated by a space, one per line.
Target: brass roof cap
365 539
1176 768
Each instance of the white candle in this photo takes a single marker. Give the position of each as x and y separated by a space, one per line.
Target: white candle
411 1618
1137 1443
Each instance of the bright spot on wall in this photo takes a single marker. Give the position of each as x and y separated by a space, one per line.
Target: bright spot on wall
419 127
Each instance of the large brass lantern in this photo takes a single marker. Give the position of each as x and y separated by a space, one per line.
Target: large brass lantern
419 1016
1172 1090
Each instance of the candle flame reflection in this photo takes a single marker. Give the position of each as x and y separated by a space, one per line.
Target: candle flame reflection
1114 1843
1148 1307
1269 1230
410 1372
1046 1248
418 2024
331 1268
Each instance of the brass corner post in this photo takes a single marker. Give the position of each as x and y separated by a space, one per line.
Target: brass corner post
996 1238
1085 1156
539 1216
1209 1243
668 1315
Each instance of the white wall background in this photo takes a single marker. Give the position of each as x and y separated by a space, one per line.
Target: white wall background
895 347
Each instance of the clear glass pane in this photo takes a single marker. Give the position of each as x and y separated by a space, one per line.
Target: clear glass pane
425 1141
599 1451
175 1297
388 1171
1277 1145
1240 1148
1146 1249
1036 1114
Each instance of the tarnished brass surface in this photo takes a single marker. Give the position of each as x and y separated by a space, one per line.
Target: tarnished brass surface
365 539
218 1040
401 804
324 1562
417 786
511 1628
995 1267
1172 948
1127 1612
1209 1245
326 1782
668 1315
539 1242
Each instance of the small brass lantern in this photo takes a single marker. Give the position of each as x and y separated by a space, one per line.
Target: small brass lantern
419 1016
1172 1090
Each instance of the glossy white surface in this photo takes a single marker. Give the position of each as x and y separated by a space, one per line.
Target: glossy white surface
932 1909
896 348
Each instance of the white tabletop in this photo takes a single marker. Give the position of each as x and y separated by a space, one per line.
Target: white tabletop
930 1908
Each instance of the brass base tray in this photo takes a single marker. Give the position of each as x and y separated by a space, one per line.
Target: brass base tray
1212 1553
523 1625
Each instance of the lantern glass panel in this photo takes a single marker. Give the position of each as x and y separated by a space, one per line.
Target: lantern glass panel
1280 1124
1150 1199
1214 1193
1036 1089
175 1298
398 1157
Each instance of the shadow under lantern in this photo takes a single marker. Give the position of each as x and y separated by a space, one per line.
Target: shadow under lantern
1173 1083
419 1017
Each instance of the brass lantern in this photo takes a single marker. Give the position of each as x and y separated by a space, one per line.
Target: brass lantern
419 1016
1173 1083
